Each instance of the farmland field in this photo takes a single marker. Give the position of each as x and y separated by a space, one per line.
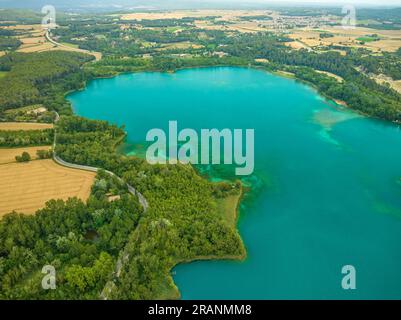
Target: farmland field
26 187
34 39
179 14
13 126
384 40
8 155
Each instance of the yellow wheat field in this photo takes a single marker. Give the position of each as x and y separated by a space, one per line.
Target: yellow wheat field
8 155
13 126
227 15
222 15
26 187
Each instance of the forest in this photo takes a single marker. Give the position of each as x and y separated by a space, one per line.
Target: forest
85 241
8 43
81 241
181 224
40 78
25 138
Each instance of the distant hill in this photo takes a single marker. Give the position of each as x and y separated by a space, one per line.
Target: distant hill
115 5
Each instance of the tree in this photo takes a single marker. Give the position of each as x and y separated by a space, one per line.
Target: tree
44 154
25 157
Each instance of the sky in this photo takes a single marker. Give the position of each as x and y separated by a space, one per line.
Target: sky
322 2
166 4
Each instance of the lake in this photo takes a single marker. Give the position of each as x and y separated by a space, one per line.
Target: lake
326 191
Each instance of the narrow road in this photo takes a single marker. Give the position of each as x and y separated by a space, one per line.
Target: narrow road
142 200
97 55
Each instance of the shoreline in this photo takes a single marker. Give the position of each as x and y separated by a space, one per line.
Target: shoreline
236 213
234 258
279 73
243 255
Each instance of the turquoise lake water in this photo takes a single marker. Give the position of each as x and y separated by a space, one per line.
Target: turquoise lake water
325 193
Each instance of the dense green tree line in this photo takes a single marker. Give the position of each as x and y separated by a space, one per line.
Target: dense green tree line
40 78
356 96
7 32
23 138
112 66
8 43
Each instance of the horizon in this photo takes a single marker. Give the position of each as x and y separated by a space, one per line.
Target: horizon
93 5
